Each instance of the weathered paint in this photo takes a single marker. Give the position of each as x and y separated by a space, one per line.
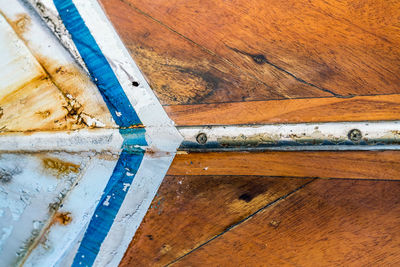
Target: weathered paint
98 66
60 96
69 103
29 197
108 207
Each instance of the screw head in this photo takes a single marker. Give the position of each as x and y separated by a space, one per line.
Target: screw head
201 138
355 135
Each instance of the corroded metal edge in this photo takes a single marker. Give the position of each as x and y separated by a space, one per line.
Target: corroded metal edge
304 136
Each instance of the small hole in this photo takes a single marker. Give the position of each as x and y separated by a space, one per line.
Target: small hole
136 84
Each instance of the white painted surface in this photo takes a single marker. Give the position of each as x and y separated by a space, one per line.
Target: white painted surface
141 193
160 131
27 186
44 45
81 203
161 135
163 139
32 187
17 65
98 140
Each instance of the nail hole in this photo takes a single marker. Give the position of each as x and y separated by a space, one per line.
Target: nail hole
136 84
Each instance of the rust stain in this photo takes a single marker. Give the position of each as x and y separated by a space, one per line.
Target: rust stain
62 218
82 97
59 167
108 156
23 108
155 153
250 140
78 100
136 126
44 114
21 24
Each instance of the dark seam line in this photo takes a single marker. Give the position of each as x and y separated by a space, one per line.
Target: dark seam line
293 177
241 221
252 124
265 60
200 46
280 99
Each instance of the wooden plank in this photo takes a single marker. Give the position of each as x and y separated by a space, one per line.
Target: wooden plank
323 164
181 216
337 47
361 108
327 223
181 72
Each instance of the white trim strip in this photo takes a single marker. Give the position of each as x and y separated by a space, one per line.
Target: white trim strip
310 136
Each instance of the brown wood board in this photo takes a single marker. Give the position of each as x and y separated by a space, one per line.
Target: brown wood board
217 51
360 108
327 223
189 210
322 164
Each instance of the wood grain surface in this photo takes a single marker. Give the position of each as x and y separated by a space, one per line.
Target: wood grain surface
255 62
360 108
322 164
207 51
182 72
189 210
327 223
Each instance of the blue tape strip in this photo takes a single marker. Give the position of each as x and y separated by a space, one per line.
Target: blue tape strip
108 207
124 115
98 66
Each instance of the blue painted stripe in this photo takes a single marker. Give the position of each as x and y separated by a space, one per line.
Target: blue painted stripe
124 115
108 207
97 64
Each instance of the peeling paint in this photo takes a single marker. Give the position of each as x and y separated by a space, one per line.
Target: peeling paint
53 109
69 88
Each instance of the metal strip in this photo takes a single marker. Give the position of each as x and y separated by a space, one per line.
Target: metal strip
321 136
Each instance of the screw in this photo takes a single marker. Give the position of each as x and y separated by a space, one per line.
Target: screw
355 135
201 138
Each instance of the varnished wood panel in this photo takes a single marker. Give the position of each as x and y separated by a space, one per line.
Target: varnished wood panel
189 210
206 51
327 223
180 71
361 108
323 164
